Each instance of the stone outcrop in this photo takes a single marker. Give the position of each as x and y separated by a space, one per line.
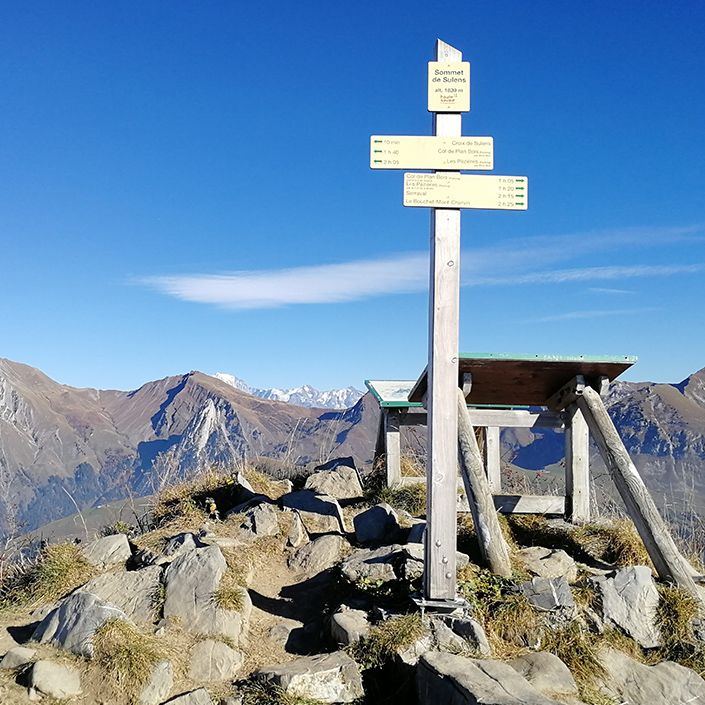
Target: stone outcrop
55 680
377 525
321 514
108 550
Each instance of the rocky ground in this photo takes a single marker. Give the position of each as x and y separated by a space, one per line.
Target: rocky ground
250 591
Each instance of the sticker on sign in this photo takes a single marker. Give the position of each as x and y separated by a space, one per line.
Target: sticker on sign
453 153
466 191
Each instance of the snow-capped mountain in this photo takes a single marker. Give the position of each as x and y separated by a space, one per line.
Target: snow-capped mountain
306 395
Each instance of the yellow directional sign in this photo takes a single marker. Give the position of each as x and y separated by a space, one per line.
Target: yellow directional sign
466 191
453 153
449 86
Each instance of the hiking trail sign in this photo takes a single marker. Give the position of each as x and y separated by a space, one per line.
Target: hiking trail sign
446 193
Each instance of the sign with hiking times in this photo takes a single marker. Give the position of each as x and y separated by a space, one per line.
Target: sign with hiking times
448 87
466 191
453 153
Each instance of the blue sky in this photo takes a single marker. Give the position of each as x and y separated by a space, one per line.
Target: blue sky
186 186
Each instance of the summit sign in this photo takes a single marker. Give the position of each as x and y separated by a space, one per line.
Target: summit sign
448 87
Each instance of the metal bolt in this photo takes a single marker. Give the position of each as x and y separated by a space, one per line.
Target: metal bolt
453 359
445 559
449 575
438 543
450 263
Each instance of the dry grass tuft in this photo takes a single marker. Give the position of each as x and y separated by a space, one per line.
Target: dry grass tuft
229 595
676 611
412 467
262 483
410 498
262 692
126 655
58 569
386 639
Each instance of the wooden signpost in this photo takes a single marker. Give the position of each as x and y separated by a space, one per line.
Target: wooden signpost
446 193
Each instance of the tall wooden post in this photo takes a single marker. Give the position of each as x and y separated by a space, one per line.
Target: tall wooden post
442 445
577 466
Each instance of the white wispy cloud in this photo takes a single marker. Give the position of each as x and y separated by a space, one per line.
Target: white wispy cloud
606 290
577 315
518 261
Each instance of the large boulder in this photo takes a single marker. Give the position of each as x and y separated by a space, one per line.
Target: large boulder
213 661
456 680
73 624
55 680
373 566
629 600
320 513
319 555
327 678
191 583
260 520
548 563
666 683
109 550
547 673
342 482
377 525
135 592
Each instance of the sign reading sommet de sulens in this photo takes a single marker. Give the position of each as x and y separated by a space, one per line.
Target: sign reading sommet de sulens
453 153
448 86
466 191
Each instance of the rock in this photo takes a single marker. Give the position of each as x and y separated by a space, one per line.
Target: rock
453 633
456 680
319 555
665 683
6 641
377 525
73 623
348 626
296 536
180 544
280 633
17 656
108 550
320 513
249 503
548 594
213 661
374 566
195 697
190 584
159 685
135 592
260 520
55 680
629 601
413 555
342 483
417 531
411 653
547 673
327 678
548 563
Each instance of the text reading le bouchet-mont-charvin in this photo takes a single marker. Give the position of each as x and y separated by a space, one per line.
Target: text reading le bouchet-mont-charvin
448 86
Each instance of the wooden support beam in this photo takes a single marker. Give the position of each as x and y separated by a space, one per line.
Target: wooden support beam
577 466
492 459
567 394
442 444
667 559
489 533
393 447
502 418
530 504
379 443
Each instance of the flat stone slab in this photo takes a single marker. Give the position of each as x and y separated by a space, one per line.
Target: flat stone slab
159 684
548 594
194 697
17 656
327 678
547 673
373 565
341 483
548 563
321 514
213 661
449 679
319 555
630 601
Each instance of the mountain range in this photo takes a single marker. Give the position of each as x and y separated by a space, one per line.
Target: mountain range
62 447
305 395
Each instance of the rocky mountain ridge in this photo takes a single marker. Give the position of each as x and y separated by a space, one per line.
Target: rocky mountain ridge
306 395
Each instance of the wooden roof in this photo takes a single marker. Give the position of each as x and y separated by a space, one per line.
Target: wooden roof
525 380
